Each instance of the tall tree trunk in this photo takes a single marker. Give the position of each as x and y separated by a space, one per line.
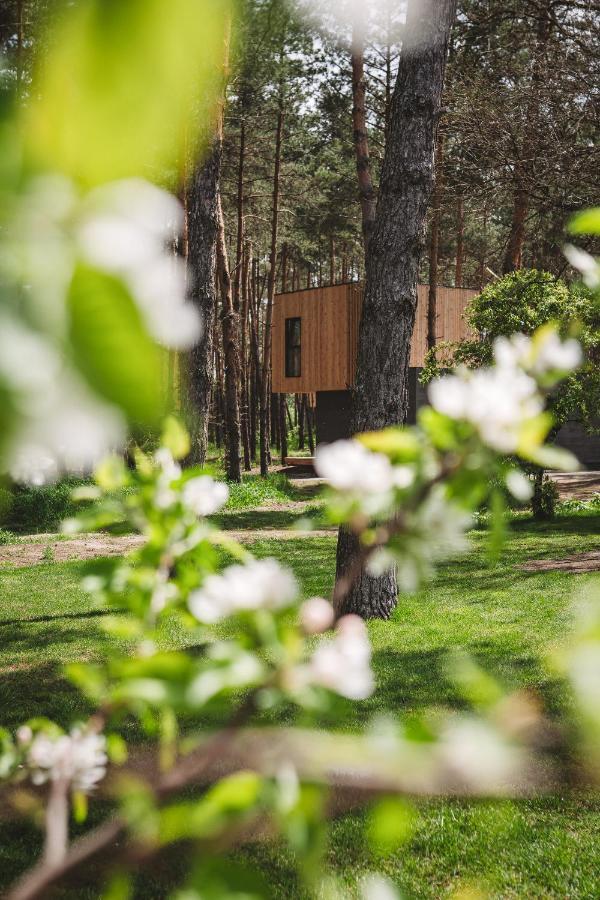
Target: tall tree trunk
366 191
231 360
434 245
237 276
460 242
202 230
392 267
514 249
266 362
245 374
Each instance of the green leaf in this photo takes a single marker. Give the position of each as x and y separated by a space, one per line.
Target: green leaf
111 346
80 806
175 438
497 525
586 222
401 444
390 824
125 87
111 473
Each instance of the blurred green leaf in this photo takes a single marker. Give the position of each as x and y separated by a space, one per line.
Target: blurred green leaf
175 438
390 825
586 222
111 346
126 87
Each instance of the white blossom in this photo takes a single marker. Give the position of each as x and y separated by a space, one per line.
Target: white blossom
377 887
78 758
316 615
349 467
497 402
519 485
475 753
204 496
556 355
586 263
260 584
545 353
63 427
343 663
125 229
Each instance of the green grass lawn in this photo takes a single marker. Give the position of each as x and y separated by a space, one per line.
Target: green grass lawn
506 618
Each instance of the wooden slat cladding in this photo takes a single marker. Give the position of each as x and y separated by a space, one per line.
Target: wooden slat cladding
330 321
326 325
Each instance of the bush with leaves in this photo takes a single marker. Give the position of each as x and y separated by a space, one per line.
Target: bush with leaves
523 302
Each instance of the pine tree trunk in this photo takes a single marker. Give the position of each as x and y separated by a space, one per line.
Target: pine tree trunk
434 246
266 362
283 427
460 242
366 191
514 249
392 264
202 230
245 373
231 360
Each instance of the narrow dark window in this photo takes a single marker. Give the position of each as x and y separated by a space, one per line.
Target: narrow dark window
293 337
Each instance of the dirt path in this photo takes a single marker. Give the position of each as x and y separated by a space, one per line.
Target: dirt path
576 485
578 563
46 548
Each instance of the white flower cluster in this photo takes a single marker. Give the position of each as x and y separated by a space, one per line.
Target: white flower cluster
125 229
202 495
434 532
348 466
259 584
63 424
78 758
586 263
499 401
343 663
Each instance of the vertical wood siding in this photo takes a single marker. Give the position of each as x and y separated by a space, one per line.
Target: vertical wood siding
330 321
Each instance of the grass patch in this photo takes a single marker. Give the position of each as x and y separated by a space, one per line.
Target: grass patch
506 618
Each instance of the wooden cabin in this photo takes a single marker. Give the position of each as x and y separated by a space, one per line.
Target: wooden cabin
314 349
315 344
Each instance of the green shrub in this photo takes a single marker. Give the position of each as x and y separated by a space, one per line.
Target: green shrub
28 510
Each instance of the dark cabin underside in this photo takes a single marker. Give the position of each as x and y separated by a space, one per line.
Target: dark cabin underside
333 422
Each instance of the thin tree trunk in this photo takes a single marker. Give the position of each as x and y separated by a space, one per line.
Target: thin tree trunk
331 260
392 266
231 360
309 427
460 242
237 276
283 427
245 399
366 191
202 229
264 395
434 246
513 256
301 414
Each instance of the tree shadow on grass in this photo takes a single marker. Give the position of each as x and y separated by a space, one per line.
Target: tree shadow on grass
88 614
263 519
40 690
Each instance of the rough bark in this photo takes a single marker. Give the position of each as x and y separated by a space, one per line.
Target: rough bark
266 361
514 249
202 231
231 360
434 246
392 262
366 191
460 242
